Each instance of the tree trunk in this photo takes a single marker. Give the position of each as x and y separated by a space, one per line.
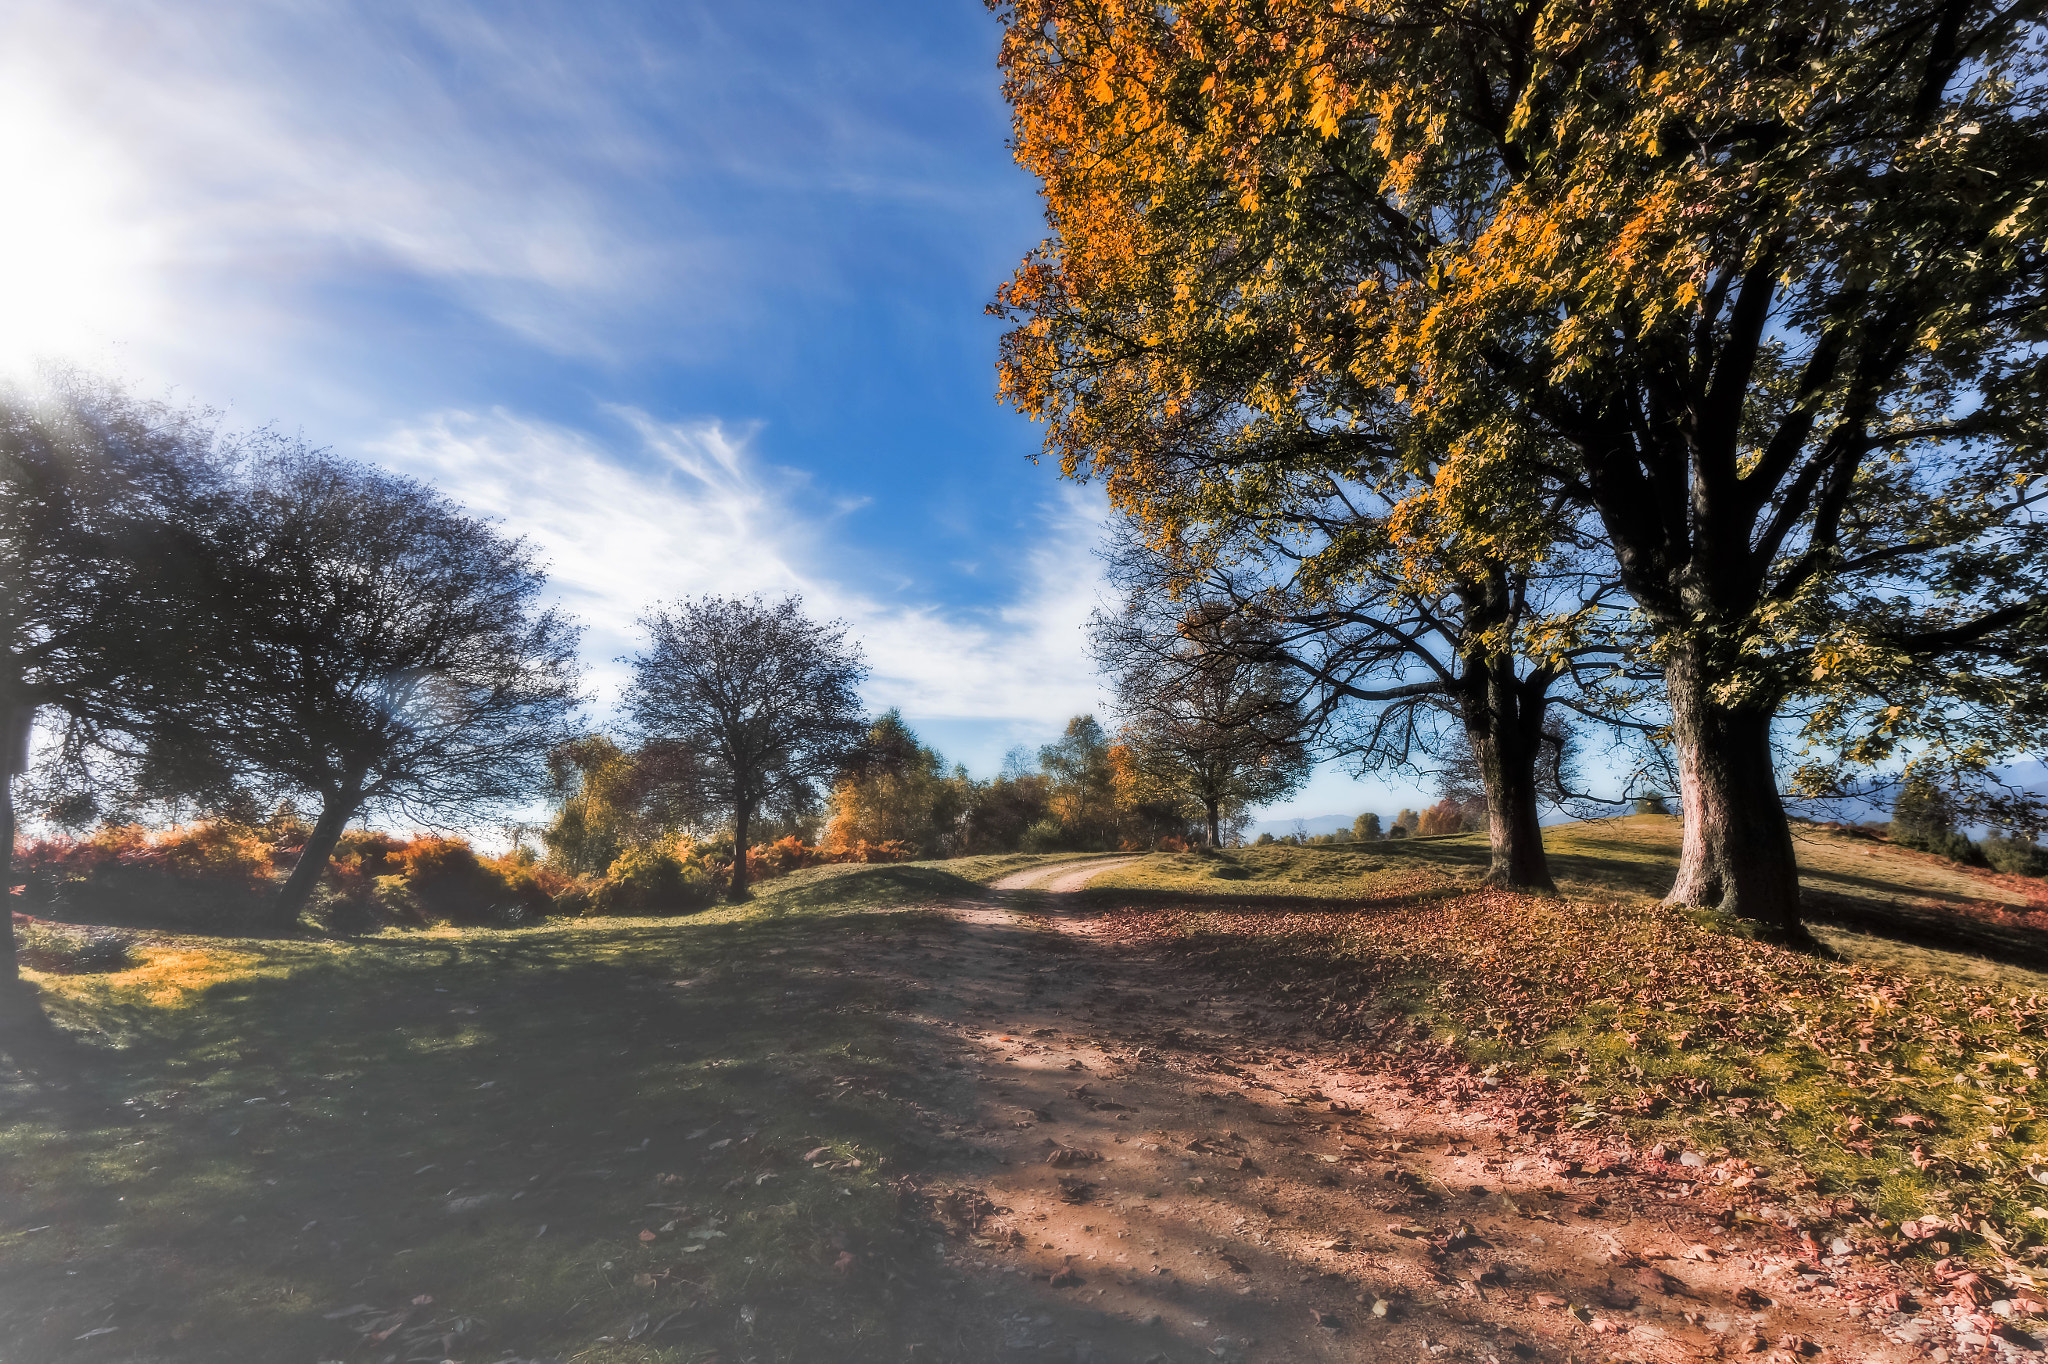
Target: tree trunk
10 970
335 813
15 723
1737 855
1215 822
742 817
1507 764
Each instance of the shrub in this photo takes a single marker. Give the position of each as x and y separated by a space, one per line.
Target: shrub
1264 841
1652 805
2016 856
60 949
210 874
652 878
1173 845
1046 835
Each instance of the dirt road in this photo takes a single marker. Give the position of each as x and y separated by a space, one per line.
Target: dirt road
1155 1169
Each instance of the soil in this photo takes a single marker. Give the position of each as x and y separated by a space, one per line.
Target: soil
1149 1168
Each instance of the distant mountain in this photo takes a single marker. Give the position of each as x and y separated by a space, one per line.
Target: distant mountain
1315 824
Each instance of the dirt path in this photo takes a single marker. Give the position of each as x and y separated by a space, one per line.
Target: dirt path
1148 1168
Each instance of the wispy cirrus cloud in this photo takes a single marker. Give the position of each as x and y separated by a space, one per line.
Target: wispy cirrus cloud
668 509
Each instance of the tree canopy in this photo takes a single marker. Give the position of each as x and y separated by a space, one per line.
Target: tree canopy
1759 286
375 647
765 699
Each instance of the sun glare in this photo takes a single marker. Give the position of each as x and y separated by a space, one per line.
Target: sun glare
73 255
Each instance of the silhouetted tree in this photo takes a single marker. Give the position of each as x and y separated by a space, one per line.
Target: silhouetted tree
98 494
1208 719
376 647
765 698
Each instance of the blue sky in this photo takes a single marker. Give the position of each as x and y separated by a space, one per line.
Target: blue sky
689 294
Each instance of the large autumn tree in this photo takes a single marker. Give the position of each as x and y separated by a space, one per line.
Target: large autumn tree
1759 285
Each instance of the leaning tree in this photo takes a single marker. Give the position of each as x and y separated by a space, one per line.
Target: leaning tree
765 699
1759 285
375 647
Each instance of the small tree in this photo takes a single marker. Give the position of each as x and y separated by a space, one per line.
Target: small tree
375 647
1366 828
1208 722
764 697
895 790
1081 783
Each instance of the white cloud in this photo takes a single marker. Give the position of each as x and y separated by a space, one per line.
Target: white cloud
688 509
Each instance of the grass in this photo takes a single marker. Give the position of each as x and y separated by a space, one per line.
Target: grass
587 1140
1903 1078
582 1140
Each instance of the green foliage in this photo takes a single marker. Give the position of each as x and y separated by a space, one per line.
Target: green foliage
1046 835
1923 817
62 949
896 791
1366 828
2016 856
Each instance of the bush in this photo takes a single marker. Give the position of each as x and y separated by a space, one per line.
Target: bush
1264 841
1652 805
2016 856
211 874
60 949
655 879
1046 835
1170 844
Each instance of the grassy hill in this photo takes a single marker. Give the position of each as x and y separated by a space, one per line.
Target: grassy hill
230 1139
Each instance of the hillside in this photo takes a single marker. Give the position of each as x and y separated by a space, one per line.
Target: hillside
1317 1104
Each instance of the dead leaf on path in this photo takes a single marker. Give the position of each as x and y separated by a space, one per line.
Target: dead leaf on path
1075 1190
1326 1320
1550 1300
1404 1229
817 1151
1070 1155
1232 1263
1066 1278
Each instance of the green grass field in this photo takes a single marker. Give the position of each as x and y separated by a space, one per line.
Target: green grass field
540 1136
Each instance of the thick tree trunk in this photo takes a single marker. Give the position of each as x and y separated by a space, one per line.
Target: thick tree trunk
1507 764
335 813
1215 823
741 819
1737 855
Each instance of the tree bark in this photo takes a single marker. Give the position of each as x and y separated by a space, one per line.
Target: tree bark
15 721
1507 765
336 811
1215 823
10 968
1737 855
742 817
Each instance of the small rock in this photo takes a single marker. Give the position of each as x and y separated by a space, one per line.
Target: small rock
1693 1159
